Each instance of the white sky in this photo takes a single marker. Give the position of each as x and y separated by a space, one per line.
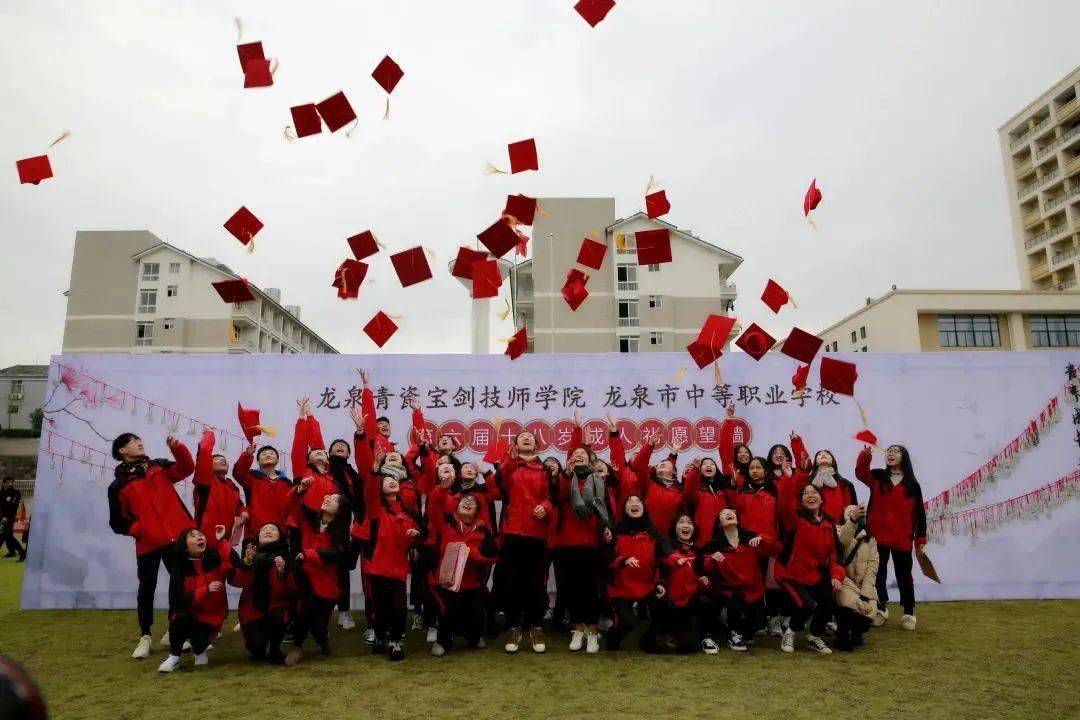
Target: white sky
893 106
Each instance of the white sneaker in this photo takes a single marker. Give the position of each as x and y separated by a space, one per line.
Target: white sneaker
432 634
202 659
369 636
186 647
815 643
709 646
880 617
908 622
735 643
776 626
345 621
142 650
830 627
592 643
787 642
437 650
605 624
513 640
171 663
164 639
417 622
481 644
577 637
236 628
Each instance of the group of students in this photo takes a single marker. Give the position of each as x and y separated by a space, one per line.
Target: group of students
725 551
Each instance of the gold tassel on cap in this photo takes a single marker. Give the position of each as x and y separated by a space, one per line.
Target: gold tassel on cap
63 136
386 113
490 169
232 333
273 67
268 430
718 377
288 134
506 312
239 28
680 375
620 242
355 124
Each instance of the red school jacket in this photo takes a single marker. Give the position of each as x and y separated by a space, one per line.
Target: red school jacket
681 580
322 548
626 481
628 582
740 570
217 499
570 530
189 586
834 500
282 592
388 522
143 503
706 501
525 485
756 509
482 550
895 515
442 501
268 498
810 553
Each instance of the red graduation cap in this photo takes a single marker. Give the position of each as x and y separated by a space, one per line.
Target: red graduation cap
243 225
234 291
500 238
774 296
838 376
388 74
486 279
591 254
464 262
703 353
336 111
34 170
657 204
250 423
249 51
496 451
867 437
522 208
523 156
594 11
518 344
411 266
798 380
812 199
653 246
380 328
257 73
363 245
348 278
573 290
801 345
755 342
522 247
306 120
715 332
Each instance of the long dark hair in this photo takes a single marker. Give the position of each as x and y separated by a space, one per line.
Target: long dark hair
910 482
806 514
771 469
836 468
181 569
263 564
675 521
769 484
630 526
741 468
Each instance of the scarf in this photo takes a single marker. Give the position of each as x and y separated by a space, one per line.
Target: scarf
132 469
825 476
397 472
261 566
587 498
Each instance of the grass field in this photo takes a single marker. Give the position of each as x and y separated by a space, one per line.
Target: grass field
967 660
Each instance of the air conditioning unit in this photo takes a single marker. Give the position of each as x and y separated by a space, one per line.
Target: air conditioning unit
15 396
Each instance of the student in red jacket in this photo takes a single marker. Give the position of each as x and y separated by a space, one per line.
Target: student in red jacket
684 612
896 517
378 427
810 572
837 493
348 483
266 489
310 461
463 609
756 507
216 498
393 530
268 593
789 473
527 510
659 486
732 562
707 492
633 567
197 601
324 540
143 504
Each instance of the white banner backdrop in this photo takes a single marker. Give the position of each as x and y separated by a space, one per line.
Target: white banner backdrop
953 411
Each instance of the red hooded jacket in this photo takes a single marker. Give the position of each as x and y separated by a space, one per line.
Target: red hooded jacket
756 509
740 570
628 582
217 499
895 515
482 550
681 578
389 522
189 586
268 498
144 504
810 554
525 485
282 593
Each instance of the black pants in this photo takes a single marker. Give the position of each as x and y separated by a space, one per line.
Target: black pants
625 620
7 533
688 625
850 626
525 561
147 566
420 590
184 627
810 602
348 564
582 574
558 569
744 617
262 637
313 619
774 603
902 571
388 596
461 613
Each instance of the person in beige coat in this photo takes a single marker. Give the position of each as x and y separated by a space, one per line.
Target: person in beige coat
856 599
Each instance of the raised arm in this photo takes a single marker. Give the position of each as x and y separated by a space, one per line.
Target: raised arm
692 488
242 467
640 466
184 465
862 467
615 446
367 406
802 456
298 456
204 460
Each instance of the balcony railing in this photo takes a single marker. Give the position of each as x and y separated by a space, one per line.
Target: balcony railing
1066 284
1037 271
627 286
629 322
1024 138
1038 183
1064 255
1023 168
1068 109
1060 199
1057 143
1044 236
1073 165
1031 218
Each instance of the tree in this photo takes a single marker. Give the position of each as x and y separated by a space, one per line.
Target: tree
36 419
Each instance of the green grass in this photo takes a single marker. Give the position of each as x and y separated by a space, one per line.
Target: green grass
970 660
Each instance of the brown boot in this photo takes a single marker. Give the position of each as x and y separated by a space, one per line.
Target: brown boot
536 637
292 658
513 640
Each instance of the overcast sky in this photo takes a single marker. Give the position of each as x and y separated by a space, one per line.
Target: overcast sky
734 106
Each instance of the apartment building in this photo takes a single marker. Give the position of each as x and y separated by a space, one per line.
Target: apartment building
631 307
22 388
935 320
1041 149
131 292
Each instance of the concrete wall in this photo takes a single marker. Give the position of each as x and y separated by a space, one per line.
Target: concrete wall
33 397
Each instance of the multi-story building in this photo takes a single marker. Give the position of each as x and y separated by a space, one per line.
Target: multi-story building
22 388
630 307
931 320
1041 149
131 292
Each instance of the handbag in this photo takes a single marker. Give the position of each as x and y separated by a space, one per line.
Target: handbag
452 566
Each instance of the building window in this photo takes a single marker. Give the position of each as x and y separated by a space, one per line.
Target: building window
144 334
1055 330
968 331
172 290
655 301
169 323
628 344
853 336
150 271
627 277
147 301
13 410
654 268
628 313
16 386
627 245
238 306
174 268
862 333
862 349
656 338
